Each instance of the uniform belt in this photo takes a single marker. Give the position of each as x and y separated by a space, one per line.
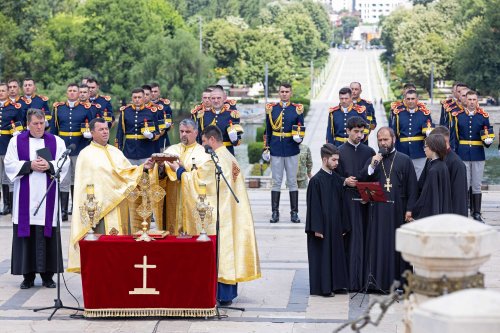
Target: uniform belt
70 133
339 139
471 142
135 136
412 138
6 132
283 134
227 143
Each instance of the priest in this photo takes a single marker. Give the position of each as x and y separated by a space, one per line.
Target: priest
29 162
353 156
395 172
326 228
113 177
238 256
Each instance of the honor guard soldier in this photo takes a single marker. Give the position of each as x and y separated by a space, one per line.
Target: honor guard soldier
70 122
205 104
96 109
221 115
13 87
164 116
411 121
370 110
10 125
336 132
138 129
284 132
103 103
32 101
472 131
451 104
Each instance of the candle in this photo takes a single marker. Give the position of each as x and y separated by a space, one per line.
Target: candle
202 189
90 189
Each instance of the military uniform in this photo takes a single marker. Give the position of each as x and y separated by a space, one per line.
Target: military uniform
224 119
66 122
280 121
411 129
305 166
10 121
103 103
132 123
469 131
370 115
164 117
336 131
36 102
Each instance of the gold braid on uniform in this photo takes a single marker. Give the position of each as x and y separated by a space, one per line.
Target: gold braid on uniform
276 126
332 126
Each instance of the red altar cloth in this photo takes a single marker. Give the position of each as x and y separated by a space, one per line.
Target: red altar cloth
184 277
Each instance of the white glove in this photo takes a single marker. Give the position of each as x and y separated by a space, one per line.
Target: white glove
488 141
148 135
87 135
428 131
266 156
297 138
233 136
16 133
46 123
167 125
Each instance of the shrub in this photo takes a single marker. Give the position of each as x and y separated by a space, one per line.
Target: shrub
259 134
255 152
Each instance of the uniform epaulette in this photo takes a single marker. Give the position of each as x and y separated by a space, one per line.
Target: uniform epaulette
484 113
334 108
26 100
97 105
299 108
359 108
367 101
456 113
395 105
196 108
122 108
56 104
200 114
159 106
44 98
165 101
235 114
231 102
108 98
425 110
17 105
269 107
152 108
86 105
446 101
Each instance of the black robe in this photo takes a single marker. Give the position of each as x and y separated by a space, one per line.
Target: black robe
351 162
327 260
381 258
435 197
458 182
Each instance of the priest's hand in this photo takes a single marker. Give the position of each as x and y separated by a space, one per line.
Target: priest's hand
173 165
149 164
39 165
351 181
319 235
408 217
376 160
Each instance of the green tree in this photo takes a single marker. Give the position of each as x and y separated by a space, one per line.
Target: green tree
222 40
8 54
348 25
319 16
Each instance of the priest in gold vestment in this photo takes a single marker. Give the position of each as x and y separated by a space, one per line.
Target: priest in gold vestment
113 178
238 255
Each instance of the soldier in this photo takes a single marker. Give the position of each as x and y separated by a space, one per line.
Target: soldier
164 115
337 118
472 131
411 122
70 121
206 104
370 110
104 102
305 166
10 125
451 104
284 132
32 101
96 108
221 115
14 97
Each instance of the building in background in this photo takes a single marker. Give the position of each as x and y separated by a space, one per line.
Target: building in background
372 10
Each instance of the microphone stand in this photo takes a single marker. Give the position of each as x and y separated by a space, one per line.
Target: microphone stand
218 174
56 178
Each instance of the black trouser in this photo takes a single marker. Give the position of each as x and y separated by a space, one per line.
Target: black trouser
46 276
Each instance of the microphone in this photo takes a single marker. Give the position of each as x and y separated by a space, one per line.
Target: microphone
70 148
381 151
208 149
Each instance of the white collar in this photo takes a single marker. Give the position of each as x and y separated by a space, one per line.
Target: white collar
327 171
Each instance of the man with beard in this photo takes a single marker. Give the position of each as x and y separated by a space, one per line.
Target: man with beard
325 228
353 157
395 171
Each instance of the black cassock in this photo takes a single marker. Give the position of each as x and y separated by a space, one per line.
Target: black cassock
458 182
351 162
381 258
327 260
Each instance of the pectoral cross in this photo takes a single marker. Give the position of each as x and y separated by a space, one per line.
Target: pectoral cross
144 290
388 185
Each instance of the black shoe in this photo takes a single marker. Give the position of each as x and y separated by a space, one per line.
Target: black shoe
476 199
294 206
27 284
275 205
332 294
49 284
6 200
275 217
64 205
478 217
225 303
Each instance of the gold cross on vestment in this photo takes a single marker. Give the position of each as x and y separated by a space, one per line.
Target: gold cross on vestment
388 185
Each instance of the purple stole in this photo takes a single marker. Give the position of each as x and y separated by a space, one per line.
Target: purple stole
23 152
